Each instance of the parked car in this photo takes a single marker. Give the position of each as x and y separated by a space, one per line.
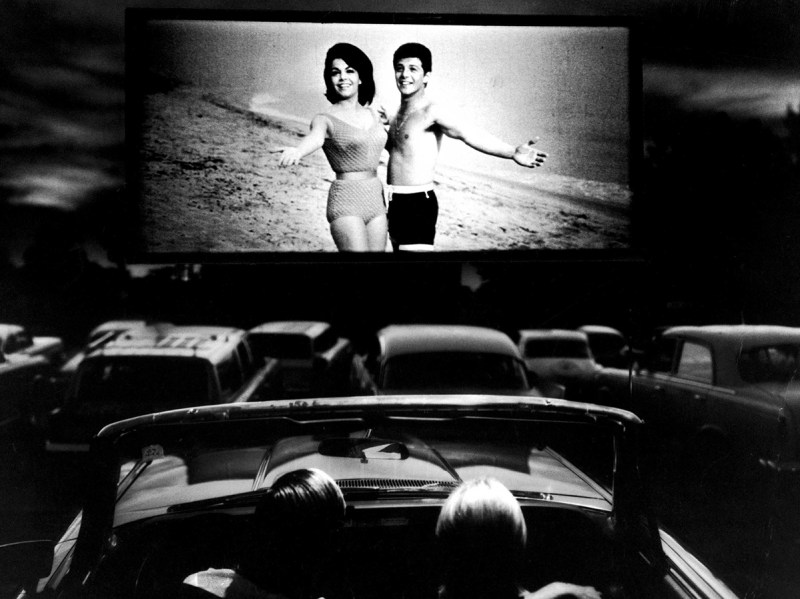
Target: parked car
24 398
16 340
100 335
720 390
314 360
559 356
608 345
149 369
175 493
428 358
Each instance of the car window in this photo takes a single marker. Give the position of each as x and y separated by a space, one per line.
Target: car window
230 376
662 355
452 370
131 385
770 364
288 347
606 344
324 341
696 363
572 463
18 342
245 358
556 348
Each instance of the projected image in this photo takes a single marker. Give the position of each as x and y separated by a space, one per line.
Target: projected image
266 137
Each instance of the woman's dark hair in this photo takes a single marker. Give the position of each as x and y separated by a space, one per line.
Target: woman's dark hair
293 529
481 535
355 58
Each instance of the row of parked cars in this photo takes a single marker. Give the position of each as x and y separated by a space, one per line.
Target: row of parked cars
175 492
433 405
130 367
729 389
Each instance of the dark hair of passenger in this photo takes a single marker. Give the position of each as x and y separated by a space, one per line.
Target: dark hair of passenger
293 533
414 50
481 537
354 57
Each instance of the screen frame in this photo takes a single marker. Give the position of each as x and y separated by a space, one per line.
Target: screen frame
137 18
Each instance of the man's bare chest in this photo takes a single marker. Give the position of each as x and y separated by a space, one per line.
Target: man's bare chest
413 131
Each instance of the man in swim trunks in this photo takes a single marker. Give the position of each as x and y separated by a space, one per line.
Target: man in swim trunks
415 137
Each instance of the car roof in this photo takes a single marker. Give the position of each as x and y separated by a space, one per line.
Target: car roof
309 328
116 325
599 329
428 338
746 335
566 334
9 329
120 325
209 342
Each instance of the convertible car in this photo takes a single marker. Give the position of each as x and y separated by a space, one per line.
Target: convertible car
175 494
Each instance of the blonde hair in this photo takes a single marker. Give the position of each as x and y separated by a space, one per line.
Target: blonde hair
482 535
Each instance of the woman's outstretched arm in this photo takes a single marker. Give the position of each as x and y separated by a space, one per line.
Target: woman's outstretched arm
310 143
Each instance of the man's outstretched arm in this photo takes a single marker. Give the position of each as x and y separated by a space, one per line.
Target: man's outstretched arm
479 139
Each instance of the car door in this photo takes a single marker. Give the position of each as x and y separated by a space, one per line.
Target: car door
649 385
684 405
753 415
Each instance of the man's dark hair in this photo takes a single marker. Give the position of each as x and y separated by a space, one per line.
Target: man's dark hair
354 57
293 531
414 50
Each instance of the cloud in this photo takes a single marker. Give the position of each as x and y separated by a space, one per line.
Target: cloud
736 91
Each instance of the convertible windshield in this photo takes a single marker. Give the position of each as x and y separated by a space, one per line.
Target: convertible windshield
571 463
446 371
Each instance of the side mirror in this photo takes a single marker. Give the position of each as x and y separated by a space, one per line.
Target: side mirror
22 564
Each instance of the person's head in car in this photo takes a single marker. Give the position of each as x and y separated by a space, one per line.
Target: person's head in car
482 536
289 549
294 530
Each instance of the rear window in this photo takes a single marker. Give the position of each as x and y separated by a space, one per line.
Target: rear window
447 371
325 341
556 348
18 342
291 347
132 385
770 364
606 344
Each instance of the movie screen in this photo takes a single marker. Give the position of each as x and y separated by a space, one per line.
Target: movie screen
515 136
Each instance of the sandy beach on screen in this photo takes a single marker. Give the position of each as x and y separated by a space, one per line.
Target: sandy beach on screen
210 183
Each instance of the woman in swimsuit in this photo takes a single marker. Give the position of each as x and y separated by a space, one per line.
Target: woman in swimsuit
352 135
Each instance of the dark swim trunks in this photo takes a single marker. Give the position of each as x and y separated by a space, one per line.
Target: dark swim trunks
412 218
